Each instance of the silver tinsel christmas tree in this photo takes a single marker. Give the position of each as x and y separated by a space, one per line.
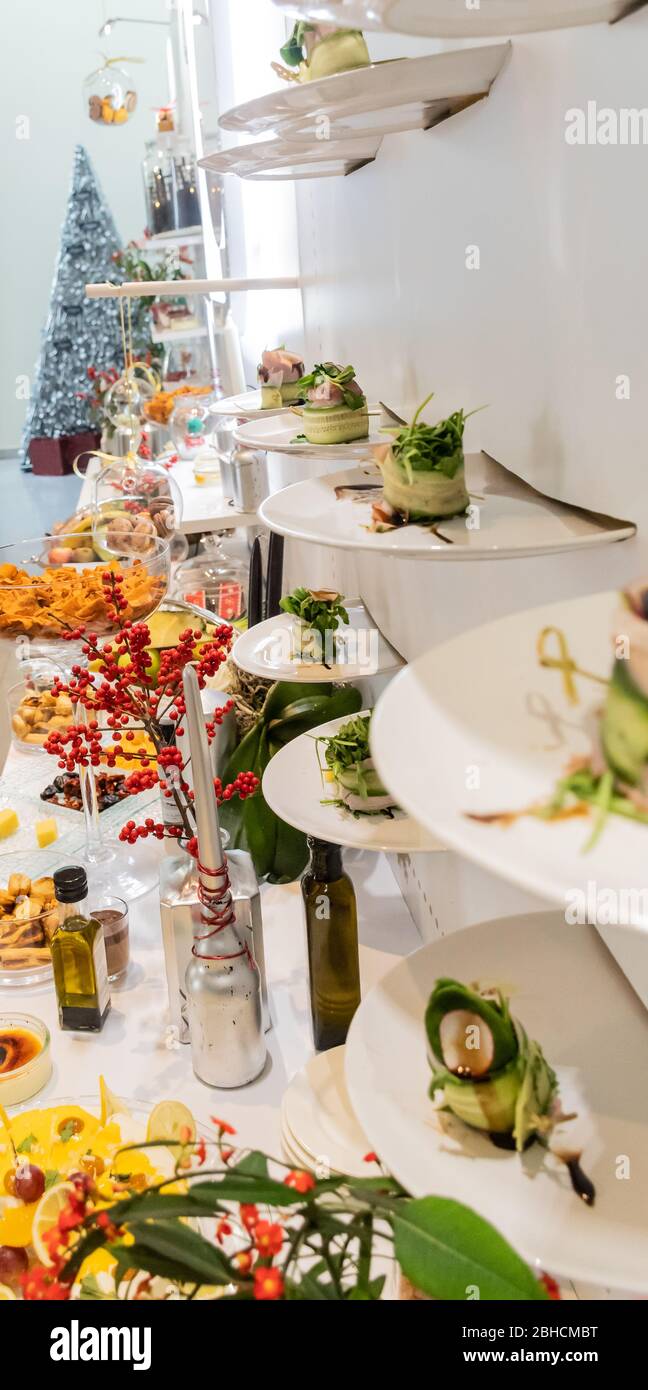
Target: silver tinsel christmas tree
79 332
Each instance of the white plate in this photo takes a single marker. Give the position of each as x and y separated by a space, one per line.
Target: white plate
405 94
279 435
486 713
277 159
293 787
265 650
452 19
247 406
507 518
317 1119
570 996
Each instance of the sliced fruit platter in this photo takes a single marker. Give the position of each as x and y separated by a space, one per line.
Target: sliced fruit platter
56 1160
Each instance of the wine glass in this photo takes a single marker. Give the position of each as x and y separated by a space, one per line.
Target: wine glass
50 587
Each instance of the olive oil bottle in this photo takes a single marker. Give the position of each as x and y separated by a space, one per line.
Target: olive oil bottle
78 957
332 934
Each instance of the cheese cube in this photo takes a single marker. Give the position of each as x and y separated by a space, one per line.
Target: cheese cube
8 823
46 831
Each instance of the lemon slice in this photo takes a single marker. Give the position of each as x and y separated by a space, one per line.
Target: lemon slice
110 1103
7 1295
171 1120
51 1204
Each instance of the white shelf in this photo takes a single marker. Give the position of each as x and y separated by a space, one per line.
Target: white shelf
277 159
408 94
451 19
178 335
167 241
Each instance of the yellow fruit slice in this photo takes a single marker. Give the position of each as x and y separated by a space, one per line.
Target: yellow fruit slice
16 1222
110 1103
47 1212
171 1120
7 1295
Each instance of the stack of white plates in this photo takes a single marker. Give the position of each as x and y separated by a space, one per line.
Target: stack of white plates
319 1130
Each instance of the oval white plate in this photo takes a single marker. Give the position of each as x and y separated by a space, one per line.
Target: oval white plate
265 650
317 1118
571 997
495 733
447 19
280 433
293 787
404 94
507 518
247 406
276 159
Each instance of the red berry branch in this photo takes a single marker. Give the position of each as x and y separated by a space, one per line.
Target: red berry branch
121 695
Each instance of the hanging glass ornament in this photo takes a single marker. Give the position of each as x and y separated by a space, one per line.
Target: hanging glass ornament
109 93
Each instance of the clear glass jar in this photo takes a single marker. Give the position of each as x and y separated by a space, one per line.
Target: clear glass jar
184 186
133 503
191 426
158 186
215 579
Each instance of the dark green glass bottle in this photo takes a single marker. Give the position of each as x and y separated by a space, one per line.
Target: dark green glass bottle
332 933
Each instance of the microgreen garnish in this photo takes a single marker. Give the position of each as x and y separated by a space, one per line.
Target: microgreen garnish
339 376
27 1144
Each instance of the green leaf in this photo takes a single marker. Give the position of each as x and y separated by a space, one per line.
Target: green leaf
444 1248
187 1255
236 1186
68 1131
253 1165
52 1175
27 1144
90 1288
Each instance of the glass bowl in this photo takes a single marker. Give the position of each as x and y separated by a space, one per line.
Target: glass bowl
24 940
49 588
35 712
23 1081
134 503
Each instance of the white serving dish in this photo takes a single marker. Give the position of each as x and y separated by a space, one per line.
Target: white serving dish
293 787
404 94
360 651
570 996
279 435
495 733
452 20
278 159
506 519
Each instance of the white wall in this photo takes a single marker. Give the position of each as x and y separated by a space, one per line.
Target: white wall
48 48
559 307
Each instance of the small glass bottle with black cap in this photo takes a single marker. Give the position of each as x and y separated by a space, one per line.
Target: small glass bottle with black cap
78 957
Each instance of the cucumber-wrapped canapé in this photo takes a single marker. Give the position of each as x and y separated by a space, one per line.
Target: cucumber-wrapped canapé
320 50
491 1075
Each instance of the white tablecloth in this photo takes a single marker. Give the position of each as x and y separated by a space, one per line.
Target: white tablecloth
136 1051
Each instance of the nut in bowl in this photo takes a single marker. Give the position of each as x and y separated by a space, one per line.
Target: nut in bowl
44 595
36 711
28 917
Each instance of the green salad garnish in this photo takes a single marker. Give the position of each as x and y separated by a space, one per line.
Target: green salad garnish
340 376
349 746
421 448
293 50
318 608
